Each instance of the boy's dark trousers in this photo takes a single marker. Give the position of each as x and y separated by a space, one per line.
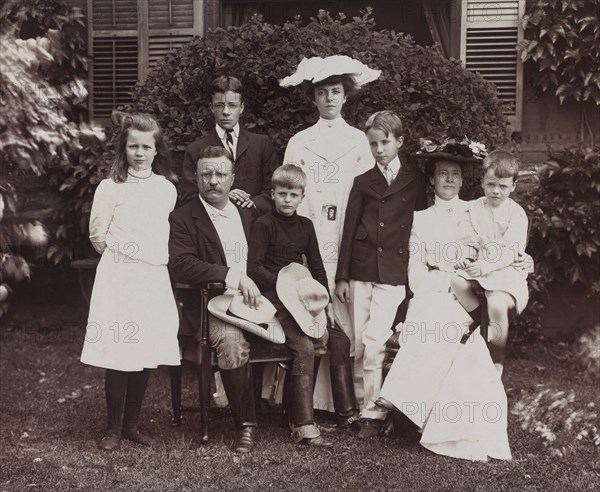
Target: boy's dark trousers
302 373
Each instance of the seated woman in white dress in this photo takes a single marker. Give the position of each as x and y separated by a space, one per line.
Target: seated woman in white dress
443 379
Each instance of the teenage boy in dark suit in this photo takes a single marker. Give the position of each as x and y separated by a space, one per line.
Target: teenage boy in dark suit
254 155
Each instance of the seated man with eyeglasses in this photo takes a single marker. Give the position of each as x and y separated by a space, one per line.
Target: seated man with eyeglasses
254 155
207 239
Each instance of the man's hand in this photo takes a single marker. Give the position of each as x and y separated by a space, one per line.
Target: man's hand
342 290
241 198
330 315
250 291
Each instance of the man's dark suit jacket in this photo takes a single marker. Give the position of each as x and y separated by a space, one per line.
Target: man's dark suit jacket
254 165
377 226
196 255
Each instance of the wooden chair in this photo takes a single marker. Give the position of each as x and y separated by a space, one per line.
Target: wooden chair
261 351
86 272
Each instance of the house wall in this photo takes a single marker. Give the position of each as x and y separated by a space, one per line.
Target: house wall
549 124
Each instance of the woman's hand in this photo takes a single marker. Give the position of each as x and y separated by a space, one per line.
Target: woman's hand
524 263
473 268
342 290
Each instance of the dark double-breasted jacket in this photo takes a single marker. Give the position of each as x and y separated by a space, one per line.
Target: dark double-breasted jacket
379 217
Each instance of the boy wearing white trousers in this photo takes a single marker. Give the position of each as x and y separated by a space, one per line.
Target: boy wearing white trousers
373 261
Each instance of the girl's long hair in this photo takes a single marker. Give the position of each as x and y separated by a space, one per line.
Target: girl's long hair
143 123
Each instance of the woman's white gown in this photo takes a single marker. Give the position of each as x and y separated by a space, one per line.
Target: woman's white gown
451 390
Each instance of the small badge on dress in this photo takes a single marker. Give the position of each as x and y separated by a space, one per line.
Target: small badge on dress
330 211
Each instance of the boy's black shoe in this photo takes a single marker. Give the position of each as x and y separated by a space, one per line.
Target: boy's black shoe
369 428
134 435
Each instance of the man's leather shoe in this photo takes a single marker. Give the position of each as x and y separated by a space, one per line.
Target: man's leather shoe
134 435
110 441
309 435
387 405
245 440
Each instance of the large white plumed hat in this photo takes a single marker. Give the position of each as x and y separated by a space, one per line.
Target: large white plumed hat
316 69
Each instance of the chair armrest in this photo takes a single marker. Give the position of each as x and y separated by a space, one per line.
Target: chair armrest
85 264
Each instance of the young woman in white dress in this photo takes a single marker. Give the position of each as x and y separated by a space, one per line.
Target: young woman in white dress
442 379
133 321
332 153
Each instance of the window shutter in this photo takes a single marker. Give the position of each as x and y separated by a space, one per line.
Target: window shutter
170 14
489 36
171 24
161 45
127 37
114 40
115 72
114 14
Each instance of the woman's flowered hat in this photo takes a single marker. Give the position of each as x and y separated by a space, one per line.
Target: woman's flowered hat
463 151
317 69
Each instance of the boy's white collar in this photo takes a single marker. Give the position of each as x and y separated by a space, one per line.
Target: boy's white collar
221 131
394 165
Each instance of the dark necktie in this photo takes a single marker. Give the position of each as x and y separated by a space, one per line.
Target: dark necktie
229 140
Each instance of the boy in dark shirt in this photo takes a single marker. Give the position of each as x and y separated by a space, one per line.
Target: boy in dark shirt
279 238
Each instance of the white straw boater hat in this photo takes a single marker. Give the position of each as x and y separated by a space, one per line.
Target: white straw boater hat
316 69
260 322
304 297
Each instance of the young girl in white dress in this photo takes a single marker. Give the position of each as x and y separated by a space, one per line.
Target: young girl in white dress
133 321
496 226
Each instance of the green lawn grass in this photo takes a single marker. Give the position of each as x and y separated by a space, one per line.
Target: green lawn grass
52 410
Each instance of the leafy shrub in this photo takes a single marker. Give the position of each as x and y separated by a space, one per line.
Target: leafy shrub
563 39
586 352
43 48
564 210
45 80
433 95
76 179
565 235
557 422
